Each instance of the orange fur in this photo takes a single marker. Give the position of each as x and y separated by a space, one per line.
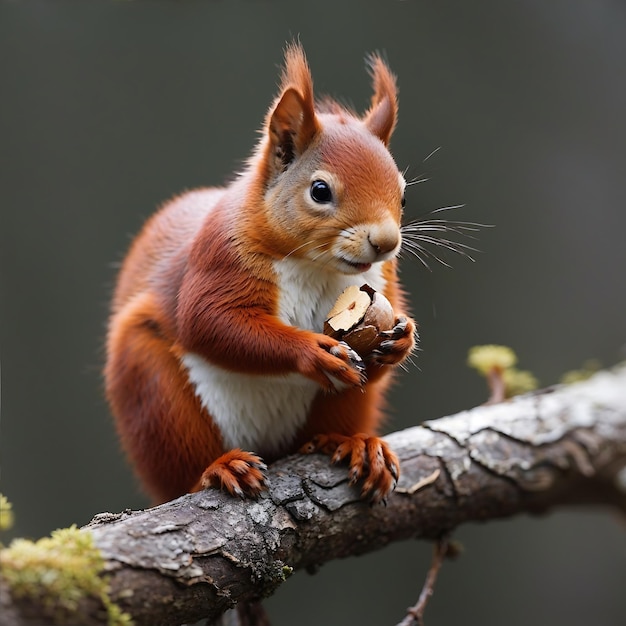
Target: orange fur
203 278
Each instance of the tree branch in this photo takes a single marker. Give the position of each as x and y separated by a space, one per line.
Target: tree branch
203 553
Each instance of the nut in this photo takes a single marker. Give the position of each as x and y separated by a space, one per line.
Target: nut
358 316
349 309
380 312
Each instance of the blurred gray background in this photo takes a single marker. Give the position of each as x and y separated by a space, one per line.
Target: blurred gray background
109 108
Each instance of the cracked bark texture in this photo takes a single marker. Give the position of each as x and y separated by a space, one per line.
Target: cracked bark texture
201 554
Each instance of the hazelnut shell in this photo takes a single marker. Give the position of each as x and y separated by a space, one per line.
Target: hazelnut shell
362 339
349 309
357 318
379 313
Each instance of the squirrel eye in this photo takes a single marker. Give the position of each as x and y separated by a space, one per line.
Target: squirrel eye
320 192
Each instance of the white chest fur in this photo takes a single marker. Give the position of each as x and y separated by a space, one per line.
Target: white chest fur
263 413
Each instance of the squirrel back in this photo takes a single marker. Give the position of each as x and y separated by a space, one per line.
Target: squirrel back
215 342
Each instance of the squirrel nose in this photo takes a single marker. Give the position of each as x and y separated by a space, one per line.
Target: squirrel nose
384 238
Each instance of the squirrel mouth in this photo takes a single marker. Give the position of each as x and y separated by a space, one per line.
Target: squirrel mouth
358 267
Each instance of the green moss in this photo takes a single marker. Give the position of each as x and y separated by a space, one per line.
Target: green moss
497 363
489 357
517 382
58 572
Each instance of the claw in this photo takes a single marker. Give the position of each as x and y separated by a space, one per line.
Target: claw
395 472
354 477
386 346
238 472
370 460
351 361
353 357
395 345
398 330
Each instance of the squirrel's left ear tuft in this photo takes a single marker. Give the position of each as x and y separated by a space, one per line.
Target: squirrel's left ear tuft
382 115
296 74
291 122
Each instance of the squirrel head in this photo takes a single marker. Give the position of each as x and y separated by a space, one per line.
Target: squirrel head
333 193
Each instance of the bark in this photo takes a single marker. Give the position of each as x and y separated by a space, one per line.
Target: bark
203 553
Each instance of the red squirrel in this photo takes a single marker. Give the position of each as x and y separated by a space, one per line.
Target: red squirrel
216 360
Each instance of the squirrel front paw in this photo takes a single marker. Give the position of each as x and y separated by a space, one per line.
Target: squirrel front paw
397 343
333 364
370 459
240 473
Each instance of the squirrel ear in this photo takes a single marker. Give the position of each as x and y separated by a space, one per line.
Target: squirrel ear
291 128
291 122
382 115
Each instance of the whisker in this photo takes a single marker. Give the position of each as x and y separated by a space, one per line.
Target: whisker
471 226
417 255
320 253
416 249
451 207
419 235
429 231
416 181
448 208
318 231
448 244
426 227
432 153
306 243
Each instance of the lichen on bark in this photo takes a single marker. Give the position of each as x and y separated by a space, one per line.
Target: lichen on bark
63 574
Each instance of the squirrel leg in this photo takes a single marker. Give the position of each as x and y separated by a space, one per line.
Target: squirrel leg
161 423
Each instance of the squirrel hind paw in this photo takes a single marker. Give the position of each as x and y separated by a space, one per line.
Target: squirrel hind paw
370 460
383 470
239 473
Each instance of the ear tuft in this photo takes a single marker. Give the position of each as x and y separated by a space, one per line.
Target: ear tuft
296 73
382 115
291 123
